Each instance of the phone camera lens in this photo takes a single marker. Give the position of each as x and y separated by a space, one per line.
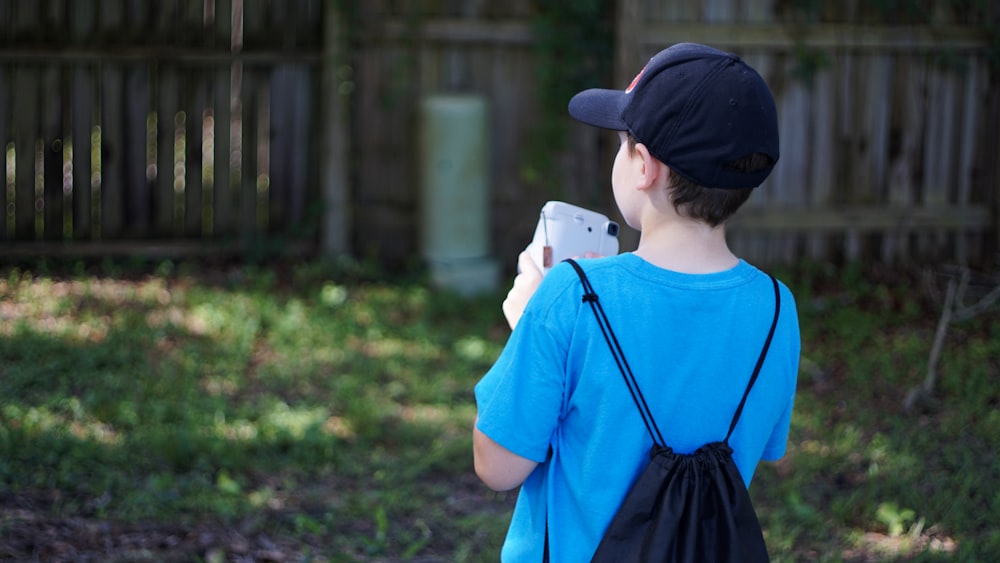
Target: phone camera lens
612 228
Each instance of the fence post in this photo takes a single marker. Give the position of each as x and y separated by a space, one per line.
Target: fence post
335 228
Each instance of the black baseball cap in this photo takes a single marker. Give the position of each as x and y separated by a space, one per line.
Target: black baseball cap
697 109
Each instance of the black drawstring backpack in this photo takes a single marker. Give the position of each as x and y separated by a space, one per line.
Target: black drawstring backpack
684 507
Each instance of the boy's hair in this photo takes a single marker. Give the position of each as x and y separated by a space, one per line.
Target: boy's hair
711 205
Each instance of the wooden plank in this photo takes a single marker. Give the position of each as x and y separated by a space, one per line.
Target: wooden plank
905 161
236 27
842 37
261 151
83 122
6 17
629 60
976 88
865 218
195 103
870 155
380 221
112 162
187 196
847 117
686 12
821 184
224 153
82 117
25 22
306 107
715 11
955 38
874 113
969 109
164 22
140 54
55 25
5 140
51 136
26 98
756 246
166 216
939 141
454 31
248 177
261 25
110 19
236 154
208 151
137 187
390 113
204 134
109 188
939 161
82 21
628 49
26 122
512 74
790 178
756 11
237 125
288 144
228 121
144 249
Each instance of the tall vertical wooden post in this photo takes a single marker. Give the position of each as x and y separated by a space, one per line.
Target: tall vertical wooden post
629 51
334 179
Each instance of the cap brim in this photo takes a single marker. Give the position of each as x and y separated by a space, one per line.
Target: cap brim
599 107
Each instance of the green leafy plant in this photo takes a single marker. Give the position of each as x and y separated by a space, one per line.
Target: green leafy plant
574 46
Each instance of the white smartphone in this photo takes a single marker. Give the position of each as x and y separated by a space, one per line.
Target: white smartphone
566 231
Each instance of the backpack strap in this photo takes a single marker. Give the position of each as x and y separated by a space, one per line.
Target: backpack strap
590 296
760 360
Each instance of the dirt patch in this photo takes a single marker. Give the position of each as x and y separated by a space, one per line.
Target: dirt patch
29 533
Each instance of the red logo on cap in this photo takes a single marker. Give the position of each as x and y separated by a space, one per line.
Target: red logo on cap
635 80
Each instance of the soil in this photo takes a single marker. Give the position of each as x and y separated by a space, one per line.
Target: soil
28 532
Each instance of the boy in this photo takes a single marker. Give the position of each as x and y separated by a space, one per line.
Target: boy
699 132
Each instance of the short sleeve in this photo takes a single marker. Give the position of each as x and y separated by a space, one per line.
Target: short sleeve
520 398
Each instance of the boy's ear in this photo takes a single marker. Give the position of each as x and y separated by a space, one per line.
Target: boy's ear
651 167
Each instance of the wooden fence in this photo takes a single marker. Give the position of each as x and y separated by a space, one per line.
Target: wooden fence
149 123
228 120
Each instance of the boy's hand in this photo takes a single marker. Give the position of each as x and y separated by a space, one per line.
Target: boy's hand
525 284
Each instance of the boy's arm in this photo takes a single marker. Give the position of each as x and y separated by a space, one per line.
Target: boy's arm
499 468
525 284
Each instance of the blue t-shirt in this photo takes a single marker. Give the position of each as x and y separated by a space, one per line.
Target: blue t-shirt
556 396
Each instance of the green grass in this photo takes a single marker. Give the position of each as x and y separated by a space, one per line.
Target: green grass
324 412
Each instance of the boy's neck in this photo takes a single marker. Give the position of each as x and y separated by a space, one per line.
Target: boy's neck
686 246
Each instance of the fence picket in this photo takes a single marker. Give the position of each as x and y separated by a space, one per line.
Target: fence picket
52 134
83 126
222 204
165 208
26 95
6 140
